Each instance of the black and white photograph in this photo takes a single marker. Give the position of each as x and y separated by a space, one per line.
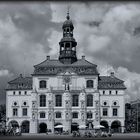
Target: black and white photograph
70 70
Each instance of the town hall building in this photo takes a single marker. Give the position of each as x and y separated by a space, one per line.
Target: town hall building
67 91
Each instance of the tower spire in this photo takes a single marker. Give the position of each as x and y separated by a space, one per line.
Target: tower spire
68 43
68 16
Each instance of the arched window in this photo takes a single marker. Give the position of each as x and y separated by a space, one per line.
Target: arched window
58 114
42 84
42 114
89 100
75 100
75 115
42 100
58 100
89 115
89 84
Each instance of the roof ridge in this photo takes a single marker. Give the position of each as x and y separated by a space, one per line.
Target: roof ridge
40 63
47 61
112 78
86 61
90 62
13 79
19 78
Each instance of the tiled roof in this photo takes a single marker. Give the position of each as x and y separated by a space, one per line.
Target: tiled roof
50 63
53 67
83 62
109 82
109 79
57 63
21 80
20 83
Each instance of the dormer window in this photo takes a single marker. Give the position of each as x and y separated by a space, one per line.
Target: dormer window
20 85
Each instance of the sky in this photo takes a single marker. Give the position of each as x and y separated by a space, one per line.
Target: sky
107 33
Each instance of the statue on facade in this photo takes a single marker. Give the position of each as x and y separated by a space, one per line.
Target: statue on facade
83 116
50 116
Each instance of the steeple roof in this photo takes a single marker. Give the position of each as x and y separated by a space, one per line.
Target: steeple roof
68 22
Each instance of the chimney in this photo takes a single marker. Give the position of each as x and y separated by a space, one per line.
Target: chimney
48 57
83 57
112 74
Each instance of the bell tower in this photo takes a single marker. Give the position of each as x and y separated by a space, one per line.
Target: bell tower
67 44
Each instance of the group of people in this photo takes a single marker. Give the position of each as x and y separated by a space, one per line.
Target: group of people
88 134
10 131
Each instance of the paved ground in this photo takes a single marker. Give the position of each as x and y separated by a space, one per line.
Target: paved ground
130 136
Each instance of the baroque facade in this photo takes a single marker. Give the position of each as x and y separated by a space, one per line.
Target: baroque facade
67 91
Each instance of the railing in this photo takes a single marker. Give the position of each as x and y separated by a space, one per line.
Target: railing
57 88
64 89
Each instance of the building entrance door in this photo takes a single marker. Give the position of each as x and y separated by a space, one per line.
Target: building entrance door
42 128
74 127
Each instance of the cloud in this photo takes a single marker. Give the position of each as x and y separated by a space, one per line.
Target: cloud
5 72
30 31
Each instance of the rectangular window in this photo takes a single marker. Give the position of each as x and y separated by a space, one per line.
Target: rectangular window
15 112
116 92
103 92
14 92
89 100
105 111
110 92
58 100
24 112
58 115
75 115
42 115
115 111
89 115
42 100
75 100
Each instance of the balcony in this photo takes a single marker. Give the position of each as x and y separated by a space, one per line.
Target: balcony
75 89
57 89
63 89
